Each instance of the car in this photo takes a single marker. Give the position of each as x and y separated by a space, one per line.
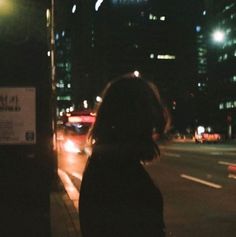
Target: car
206 135
75 133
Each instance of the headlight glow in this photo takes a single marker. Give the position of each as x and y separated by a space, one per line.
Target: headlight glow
70 146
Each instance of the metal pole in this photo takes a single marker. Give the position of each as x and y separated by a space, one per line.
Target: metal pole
53 83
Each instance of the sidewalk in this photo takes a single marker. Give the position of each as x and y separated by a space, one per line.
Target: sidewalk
64 217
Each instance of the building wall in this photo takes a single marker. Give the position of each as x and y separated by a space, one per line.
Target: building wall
222 59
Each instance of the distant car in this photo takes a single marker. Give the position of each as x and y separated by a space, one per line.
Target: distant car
75 133
206 135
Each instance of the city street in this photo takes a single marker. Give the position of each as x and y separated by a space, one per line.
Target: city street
199 192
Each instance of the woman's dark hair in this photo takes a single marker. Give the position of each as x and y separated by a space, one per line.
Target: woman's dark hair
130 110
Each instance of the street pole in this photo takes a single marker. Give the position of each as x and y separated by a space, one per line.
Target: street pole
53 82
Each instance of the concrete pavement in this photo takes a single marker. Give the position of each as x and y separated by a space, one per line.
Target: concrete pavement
64 215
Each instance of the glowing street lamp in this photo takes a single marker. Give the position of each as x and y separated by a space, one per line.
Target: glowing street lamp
6 7
136 73
218 36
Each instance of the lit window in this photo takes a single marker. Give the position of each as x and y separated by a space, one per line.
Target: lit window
234 78
221 106
162 18
229 104
68 97
152 17
228 31
68 85
73 8
235 53
225 56
48 17
166 56
233 16
60 85
151 56
198 28
63 33
204 13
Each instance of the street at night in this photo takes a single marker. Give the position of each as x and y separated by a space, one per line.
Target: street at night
199 192
111 79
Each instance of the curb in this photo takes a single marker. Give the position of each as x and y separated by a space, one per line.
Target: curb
64 216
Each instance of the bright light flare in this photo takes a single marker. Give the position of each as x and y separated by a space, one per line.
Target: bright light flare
218 36
70 146
73 8
6 7
98 4
136 73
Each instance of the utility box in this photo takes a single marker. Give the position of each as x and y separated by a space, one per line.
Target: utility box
27 152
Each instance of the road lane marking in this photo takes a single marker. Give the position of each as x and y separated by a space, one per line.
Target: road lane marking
171 154
232 176
77 175
225 163
69 187
201 181
216 153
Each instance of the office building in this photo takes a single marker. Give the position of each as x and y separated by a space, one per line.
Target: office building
222 60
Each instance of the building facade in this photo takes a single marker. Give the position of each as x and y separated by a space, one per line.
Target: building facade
116 37
222 60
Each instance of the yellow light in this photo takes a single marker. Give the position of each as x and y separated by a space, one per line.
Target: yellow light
6 7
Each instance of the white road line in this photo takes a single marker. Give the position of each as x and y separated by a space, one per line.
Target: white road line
70 188
232 176
171 154
201 181
216 153
225 163
77 175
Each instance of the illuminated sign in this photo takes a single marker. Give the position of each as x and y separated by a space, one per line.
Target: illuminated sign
128 2
17 115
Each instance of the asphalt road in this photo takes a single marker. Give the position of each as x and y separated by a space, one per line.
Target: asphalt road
199 193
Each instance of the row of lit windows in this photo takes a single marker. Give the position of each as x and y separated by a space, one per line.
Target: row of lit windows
225 57
63 98
152 17
229 43
162 56
66 66
228 7
58 35
227 105
62 85
202 71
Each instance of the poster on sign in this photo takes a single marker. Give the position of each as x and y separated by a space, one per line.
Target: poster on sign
17 115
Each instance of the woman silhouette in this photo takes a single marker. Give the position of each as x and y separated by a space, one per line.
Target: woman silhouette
117 196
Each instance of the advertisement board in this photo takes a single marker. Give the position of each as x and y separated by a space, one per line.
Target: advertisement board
17 115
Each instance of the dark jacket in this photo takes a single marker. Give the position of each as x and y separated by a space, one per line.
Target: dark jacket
119 199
